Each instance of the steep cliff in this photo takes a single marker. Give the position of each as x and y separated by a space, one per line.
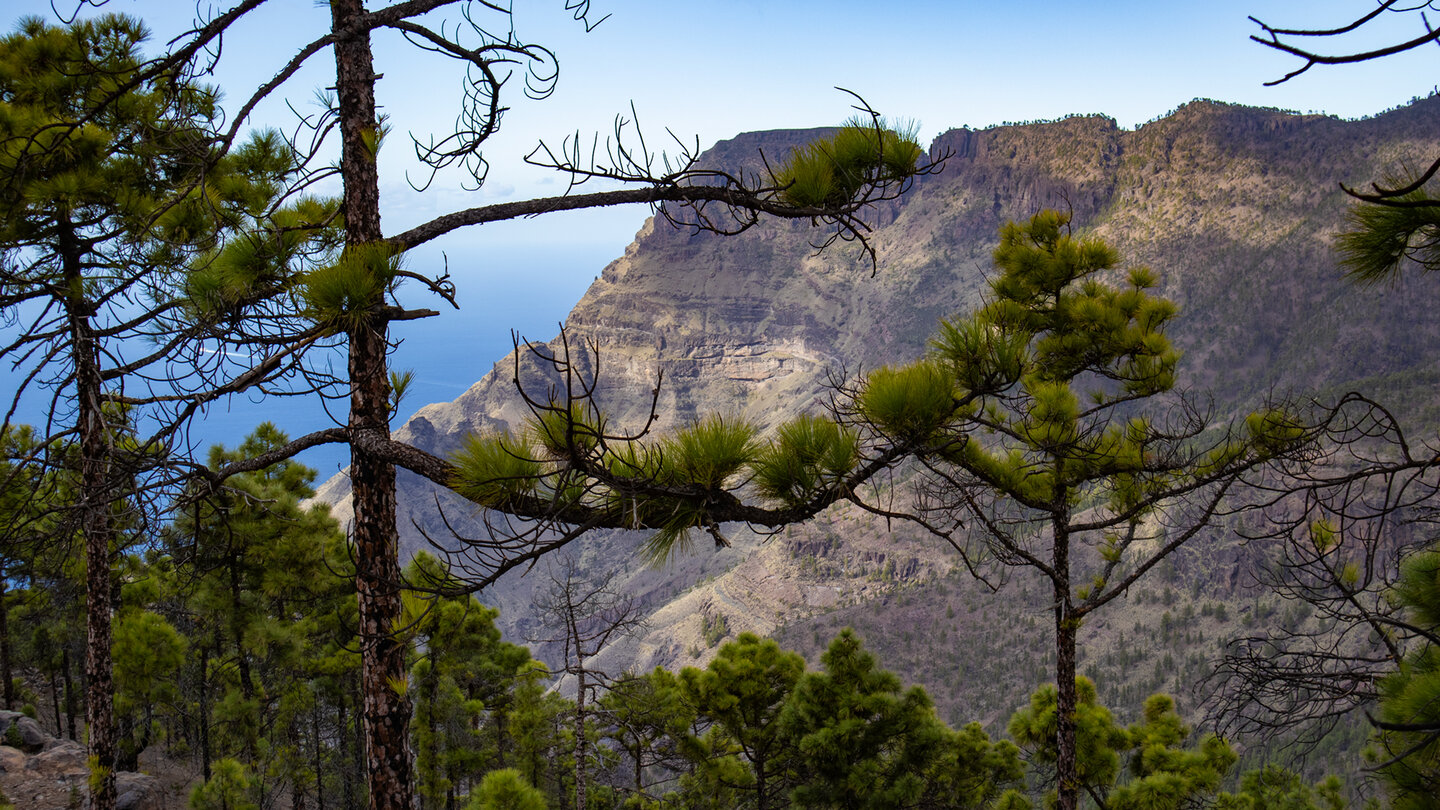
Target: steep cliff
1236 209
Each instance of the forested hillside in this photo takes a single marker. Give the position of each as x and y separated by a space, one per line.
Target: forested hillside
1045 465
1235 210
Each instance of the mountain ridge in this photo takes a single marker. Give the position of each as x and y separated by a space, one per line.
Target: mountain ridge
1235 207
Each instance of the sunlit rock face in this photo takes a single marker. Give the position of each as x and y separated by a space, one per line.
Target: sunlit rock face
1235 208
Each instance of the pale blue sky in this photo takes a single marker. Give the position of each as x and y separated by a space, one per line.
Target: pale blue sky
709 70
712 69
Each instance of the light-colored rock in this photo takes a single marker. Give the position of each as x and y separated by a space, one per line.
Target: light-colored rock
12 760
67 758
1234 208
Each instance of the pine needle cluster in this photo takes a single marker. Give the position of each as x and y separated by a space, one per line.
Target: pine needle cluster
832 171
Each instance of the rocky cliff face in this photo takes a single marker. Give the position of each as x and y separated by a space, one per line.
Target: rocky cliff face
1235 208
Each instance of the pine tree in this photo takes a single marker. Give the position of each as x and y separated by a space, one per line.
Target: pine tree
1160 774
461 680
354 298
536 714
1407 737
743 692
647 718
109 187
506 789
1044 425
974 772
148 653
259 585
859 741
1275 788
25 523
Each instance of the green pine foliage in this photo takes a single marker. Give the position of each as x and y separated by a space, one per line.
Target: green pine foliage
1406 747
808 455
261 587
1099 739
1385 240
463 675
832 171
566 460
1047 423
539 741
910 404
495 470
228 788
1276 788
340 295
974 772
1143 767
648 720
147 651
743 691
506 789
1164 776
860 741
112 192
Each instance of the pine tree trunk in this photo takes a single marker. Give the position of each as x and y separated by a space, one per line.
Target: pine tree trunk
1066 766
96 530
99 682
762 791
639 766
580 737
69 692
386 711
55 705
205 712
5 648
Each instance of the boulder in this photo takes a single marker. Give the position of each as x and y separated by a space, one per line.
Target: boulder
65 759
19 731
137 791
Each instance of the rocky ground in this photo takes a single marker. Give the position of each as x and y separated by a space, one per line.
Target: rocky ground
41 772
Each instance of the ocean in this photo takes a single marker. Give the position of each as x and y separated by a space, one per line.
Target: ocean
520 286
447 353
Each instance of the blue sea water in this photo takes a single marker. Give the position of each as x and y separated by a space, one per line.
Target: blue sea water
447 353
521 285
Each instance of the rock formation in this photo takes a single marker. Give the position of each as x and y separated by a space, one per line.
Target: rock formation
1236 209
41 772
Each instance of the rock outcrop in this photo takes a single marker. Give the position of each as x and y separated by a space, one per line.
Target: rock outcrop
1235 208
41 772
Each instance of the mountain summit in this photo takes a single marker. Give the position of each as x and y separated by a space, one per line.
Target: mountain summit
1235 209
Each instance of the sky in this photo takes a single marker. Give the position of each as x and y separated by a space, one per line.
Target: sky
707 70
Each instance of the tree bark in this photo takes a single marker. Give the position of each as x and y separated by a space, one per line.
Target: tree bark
5 648
1067 774
95 528
385 710
69 692
580 787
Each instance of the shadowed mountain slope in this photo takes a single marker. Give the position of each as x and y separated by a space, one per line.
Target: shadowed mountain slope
1235 208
